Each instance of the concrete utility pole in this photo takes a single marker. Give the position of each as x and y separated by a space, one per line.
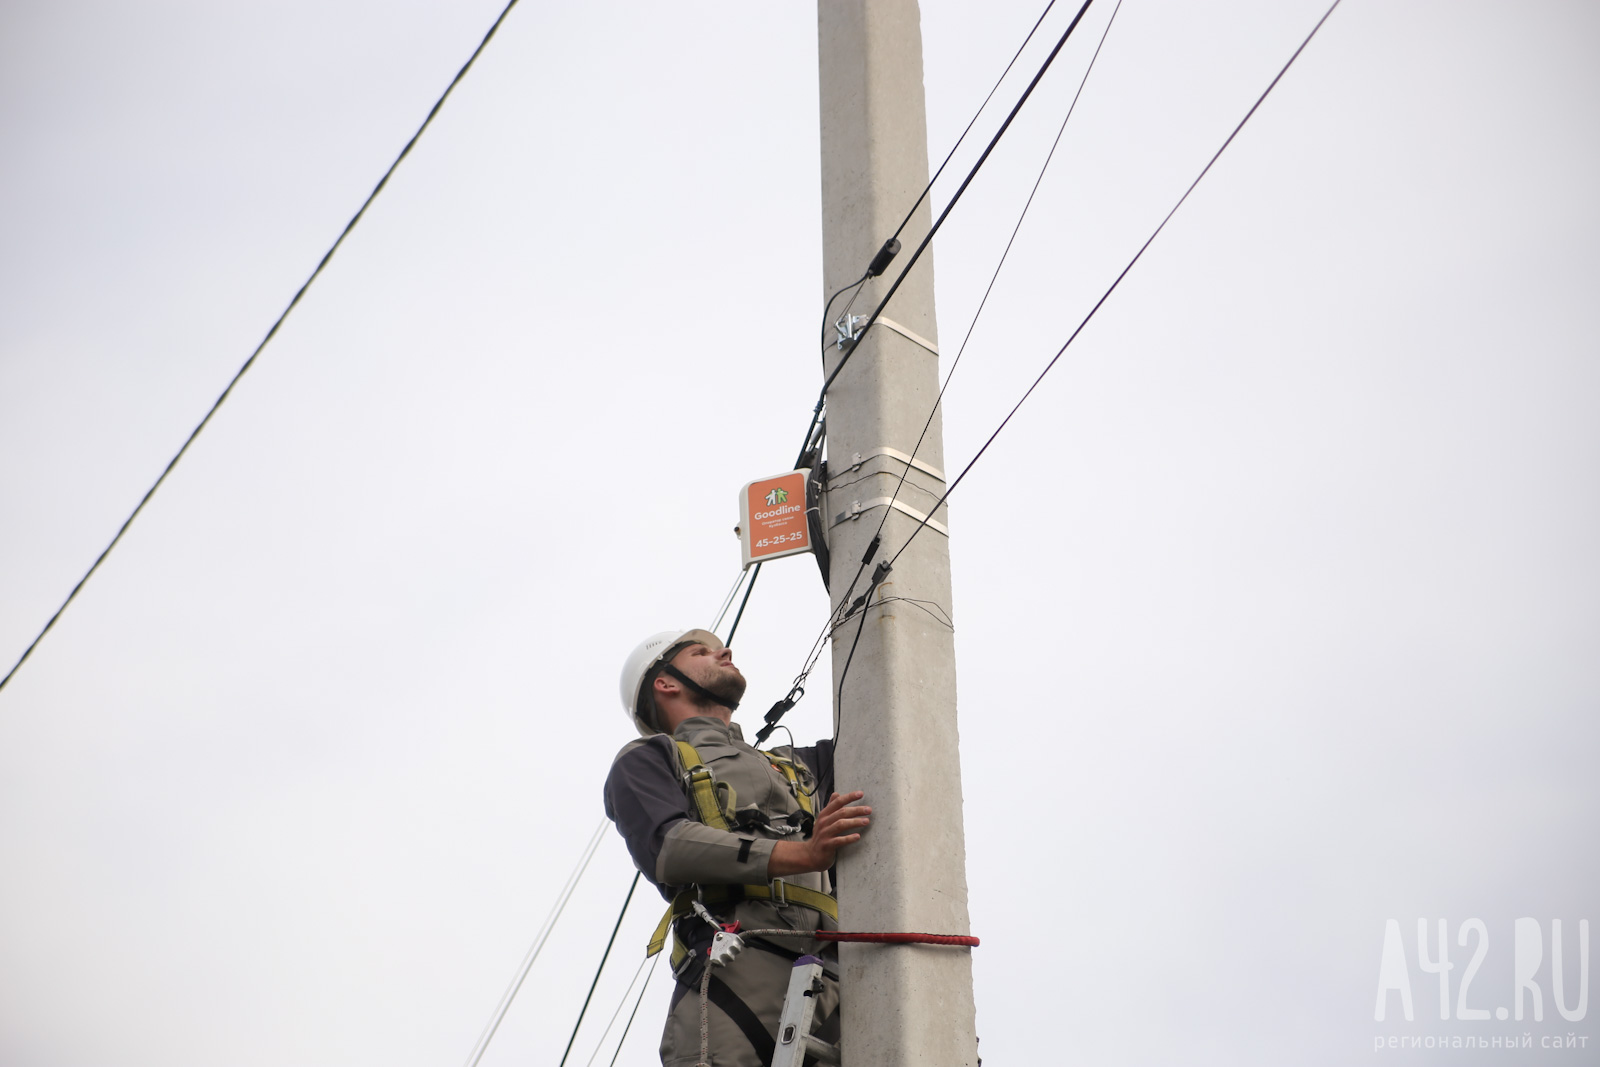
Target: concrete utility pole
897 717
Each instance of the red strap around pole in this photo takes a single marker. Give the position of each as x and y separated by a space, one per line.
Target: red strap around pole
898 938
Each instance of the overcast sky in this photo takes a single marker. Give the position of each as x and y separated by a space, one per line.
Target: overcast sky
1277 608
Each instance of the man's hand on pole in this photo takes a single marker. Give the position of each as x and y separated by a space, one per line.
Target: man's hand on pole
837 825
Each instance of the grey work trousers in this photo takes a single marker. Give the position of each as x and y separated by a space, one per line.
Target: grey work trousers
745 1003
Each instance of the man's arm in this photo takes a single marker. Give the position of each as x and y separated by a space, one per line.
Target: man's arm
646 801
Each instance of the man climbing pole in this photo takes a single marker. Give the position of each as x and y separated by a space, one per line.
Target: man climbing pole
729 835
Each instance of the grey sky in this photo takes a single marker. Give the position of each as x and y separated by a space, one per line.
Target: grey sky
1276 606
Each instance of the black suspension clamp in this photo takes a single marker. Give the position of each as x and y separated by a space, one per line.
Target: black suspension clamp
778 711
885 256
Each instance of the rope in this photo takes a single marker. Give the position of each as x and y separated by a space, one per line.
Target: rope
705 1017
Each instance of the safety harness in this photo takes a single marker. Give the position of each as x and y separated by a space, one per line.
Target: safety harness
713 801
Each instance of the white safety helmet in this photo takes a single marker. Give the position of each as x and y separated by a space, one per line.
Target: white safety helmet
646 658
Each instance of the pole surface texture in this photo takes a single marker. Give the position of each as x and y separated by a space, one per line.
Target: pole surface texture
896 719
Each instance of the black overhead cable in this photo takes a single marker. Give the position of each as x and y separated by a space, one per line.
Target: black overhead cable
926 189
623 1040
604 956
971 326
1118 281
754 574
270 334
1004 255
890 248
816 412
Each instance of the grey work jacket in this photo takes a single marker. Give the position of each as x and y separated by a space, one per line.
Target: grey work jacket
645 797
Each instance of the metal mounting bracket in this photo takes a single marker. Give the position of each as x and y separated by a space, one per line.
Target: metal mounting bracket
857 459
848 329
859 508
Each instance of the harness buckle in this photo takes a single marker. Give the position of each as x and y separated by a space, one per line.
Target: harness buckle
780 895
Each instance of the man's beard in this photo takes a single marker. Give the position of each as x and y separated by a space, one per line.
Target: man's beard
727 686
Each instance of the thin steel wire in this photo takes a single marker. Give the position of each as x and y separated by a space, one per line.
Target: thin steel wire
949 155
598 971
648 961
943 215
755 572
538 945
623 1040
1118 281
727 601
926 189
999 266
938 400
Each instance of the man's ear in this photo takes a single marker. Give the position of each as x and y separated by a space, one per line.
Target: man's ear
665 685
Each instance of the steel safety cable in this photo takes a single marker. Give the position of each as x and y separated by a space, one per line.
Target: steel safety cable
271 333
1118 281
598 971
988 150
539 940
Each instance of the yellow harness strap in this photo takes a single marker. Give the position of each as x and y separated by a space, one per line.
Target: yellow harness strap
705 790
790 772
777 890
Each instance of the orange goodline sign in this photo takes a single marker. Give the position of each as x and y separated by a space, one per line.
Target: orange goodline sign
772 517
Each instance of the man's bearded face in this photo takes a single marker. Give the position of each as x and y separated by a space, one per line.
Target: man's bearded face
713 669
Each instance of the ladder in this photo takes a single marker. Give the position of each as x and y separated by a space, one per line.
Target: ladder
795 1039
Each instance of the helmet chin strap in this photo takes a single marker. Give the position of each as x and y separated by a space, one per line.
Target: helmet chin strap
699 690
